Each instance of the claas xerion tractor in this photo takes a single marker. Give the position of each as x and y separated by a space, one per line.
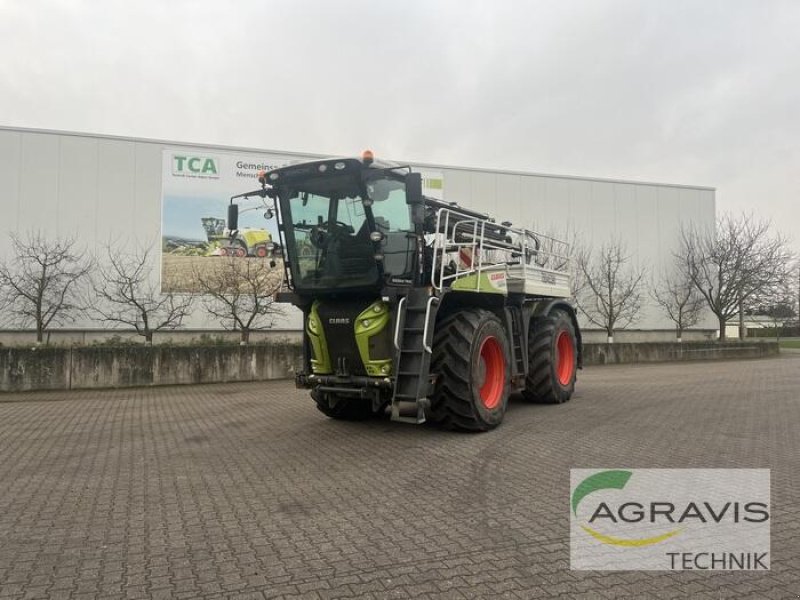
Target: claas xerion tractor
432 309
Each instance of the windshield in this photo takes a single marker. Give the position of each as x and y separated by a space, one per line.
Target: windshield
328 233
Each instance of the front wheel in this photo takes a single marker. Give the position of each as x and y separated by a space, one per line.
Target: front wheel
470 361
552 359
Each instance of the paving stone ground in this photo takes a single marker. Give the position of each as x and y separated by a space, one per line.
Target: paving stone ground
246 491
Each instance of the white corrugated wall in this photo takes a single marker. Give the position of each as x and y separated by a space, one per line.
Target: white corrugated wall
102 189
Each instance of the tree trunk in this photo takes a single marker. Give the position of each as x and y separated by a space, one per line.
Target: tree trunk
680 334
39 334
245 337
148 337
742 329
721 329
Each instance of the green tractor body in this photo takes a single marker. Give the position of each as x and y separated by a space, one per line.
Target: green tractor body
248 241
412 303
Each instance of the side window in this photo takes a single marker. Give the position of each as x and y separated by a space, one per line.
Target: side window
389 206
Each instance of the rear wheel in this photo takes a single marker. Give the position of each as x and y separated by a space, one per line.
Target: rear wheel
553 359
470 360
342 407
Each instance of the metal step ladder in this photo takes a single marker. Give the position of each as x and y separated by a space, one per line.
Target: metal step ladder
519 348
413 335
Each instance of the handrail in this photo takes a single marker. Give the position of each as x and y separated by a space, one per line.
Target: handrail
425 344
397 323
494 246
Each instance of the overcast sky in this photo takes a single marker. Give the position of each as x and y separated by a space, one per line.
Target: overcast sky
698 92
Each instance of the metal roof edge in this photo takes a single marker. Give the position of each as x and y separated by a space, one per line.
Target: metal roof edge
317 155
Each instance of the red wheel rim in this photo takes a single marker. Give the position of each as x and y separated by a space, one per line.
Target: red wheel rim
261 252
565 358
223 252
240 252
494 372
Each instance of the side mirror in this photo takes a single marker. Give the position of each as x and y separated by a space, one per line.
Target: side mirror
414 188
268 214
233 217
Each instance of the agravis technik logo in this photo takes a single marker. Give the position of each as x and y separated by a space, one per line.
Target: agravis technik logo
715 519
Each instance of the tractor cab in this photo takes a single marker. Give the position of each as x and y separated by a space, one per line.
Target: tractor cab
345 224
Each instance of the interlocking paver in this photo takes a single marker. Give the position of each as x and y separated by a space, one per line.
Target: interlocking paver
246 491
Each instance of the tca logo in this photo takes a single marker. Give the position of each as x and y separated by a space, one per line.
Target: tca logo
194 166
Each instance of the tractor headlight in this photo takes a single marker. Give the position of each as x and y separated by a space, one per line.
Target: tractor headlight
376 236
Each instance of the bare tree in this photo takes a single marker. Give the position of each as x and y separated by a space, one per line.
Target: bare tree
611 294
41 281
779 314
777 302
732 264
679 298
240 293
127 294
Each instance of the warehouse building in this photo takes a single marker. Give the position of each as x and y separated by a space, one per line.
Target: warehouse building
172 197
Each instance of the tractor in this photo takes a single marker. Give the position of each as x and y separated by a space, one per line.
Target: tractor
412 305
247 242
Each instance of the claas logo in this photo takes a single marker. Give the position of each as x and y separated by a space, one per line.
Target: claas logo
194 166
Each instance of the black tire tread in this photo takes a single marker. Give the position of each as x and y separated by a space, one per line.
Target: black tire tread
451 406
540 384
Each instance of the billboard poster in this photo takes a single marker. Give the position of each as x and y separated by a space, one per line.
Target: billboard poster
196 190
197 185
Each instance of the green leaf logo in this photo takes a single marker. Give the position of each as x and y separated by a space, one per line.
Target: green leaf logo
599 481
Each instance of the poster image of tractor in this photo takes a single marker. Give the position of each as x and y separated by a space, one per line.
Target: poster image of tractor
248 241
195 240
196 189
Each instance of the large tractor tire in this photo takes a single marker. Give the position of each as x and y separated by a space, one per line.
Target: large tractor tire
470 360
342 408
553 359
236 248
